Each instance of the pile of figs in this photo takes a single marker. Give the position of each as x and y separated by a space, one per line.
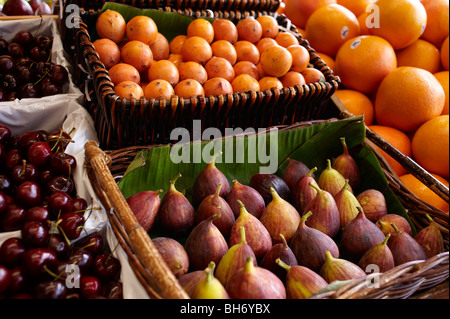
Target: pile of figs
279 237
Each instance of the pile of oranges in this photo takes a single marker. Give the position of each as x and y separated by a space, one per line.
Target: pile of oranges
211 59
393 61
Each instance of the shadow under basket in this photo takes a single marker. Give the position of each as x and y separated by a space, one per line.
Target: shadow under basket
129 122
106 168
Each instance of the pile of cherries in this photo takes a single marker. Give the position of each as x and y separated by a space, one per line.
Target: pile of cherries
50 259
26 70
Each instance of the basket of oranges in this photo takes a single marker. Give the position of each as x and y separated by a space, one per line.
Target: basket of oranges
126 116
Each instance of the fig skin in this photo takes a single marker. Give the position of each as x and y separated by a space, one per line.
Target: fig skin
264 182
280 251
430 238
191 279
405 248
253 282
250 197
302 193
209 288
339 269
145 206
176 214
379 255
346 165
301 282
373 203
384 223
173 254
294 171
331 180
347 205
309 245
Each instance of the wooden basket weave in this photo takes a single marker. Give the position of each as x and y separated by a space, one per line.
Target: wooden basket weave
122 122
107 167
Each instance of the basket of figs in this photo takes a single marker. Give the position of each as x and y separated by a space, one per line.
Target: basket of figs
303 211
229 68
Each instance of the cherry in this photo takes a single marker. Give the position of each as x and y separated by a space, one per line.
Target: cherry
35 234
114 290
94 243
61 184
29 90
79 204
24 61
38 214
72 224
59 140
6 184
50 289
13 158
4 278
81 258
7 64
3 46
24 74
28 194
27 139
19 281
63 163
40 154
59 246
36 260
24 38
2 154
90 287
45 177
43 41
3 203
107 267
38 55
3 95
58 74
24 172
16 50
11 252
13 218
50 88
59 203
9 83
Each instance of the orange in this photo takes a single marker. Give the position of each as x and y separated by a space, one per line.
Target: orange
312 75
270 82
160 48
286 39
421 54
276 61
246 67
246 51
430 145
363 23
300 57
358 7
196 49
244 83
438 21
364 61
142 28
176 59
138 54
189 88
158 89
265 43
111 25
401 22
217 86
164 70
226 30
357 103
269 26
124 72
201 28
176 43
219 67
407 98
329 27
129 90
292 78
444 54
442 77
298 11
192 70
224 49
329 61
425 193
398 140
249 29
108 52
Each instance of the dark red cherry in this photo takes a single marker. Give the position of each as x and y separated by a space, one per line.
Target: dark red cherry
3 202
81 258
107 267
40 154
11 252
58 244
59 140
59 203
35 260
58 74
63 163
28 194
12 218
29 91
79 204
6 184
61 184
51 289
19 281
4 278
27 139
7 64
5 134
114 290
94 243
13 158
15 50
24 172
35 234
90 287
72 224
25 38
38 214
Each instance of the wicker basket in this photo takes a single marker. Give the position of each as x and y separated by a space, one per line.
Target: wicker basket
107 167
122 122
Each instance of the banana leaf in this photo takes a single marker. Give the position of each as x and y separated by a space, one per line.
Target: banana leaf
311 144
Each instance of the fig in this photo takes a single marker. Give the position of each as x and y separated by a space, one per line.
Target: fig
210 288
173 254
204 244
430 238
302 192
257 236
373 203
325 213
339 269
347 205
280 217
145 206
301 282
346 165
280 251
253 201
331 180
191 279
359 236
264 182
234 259
405 248
379 255
384 223
207 181
214 204
294 171
309 245
176 214
253 282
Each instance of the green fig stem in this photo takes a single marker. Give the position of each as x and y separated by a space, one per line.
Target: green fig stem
242 231
212 161
329 164
429 218
312 171
328 255
345 187
209 275
317 188
219 187
242 209
211 266
305 217
344 145
249 265
282 264
397 231
385 240
274 193
173 181
283 241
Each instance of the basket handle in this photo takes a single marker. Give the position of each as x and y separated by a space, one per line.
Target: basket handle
141 242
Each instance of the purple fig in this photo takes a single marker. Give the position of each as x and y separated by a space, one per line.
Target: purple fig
294 171
325 213
234 259
379 256
173 254
145 206
405 248
373 203
210 288
257 236
253 201
331 180
430 238
176 214
207 181
384 224
280 251
303 193
301 282
346 165
204 244
280 217
190 280
264 182
214 204
347 205
359 236
339 269
253 282
309 245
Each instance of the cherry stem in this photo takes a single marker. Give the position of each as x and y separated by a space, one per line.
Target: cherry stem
24 168
55 276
